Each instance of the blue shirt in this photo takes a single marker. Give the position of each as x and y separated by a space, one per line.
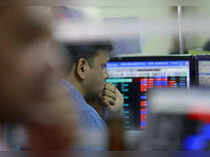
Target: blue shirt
88 117
90 123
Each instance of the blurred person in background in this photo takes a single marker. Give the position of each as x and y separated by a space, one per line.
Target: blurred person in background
85 81
29 89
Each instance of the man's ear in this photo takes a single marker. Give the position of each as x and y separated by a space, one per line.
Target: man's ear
82 68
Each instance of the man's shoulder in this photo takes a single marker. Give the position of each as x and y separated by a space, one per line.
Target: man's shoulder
68 85
88 115
73 93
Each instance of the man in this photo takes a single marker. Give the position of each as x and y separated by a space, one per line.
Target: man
28 94
86 82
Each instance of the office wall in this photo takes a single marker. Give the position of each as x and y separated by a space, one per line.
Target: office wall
166 42
153 43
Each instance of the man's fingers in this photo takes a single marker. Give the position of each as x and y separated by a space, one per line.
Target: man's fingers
110 87
109 94
112 98
108 101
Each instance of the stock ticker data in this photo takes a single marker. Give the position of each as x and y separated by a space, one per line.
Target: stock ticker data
135 78
202 70
204 73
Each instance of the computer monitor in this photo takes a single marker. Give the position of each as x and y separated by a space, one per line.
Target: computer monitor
180 122
202 70
134 76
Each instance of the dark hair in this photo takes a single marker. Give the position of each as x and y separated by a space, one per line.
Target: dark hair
22 27
87 50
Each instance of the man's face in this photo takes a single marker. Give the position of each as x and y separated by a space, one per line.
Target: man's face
27 73
27 62
97 75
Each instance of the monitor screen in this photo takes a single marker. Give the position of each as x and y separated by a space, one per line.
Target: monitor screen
135 76
203 70
179 122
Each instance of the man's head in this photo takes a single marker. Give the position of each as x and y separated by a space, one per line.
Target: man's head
87 70
27 59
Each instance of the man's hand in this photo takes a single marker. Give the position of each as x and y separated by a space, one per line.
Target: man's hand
112 98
